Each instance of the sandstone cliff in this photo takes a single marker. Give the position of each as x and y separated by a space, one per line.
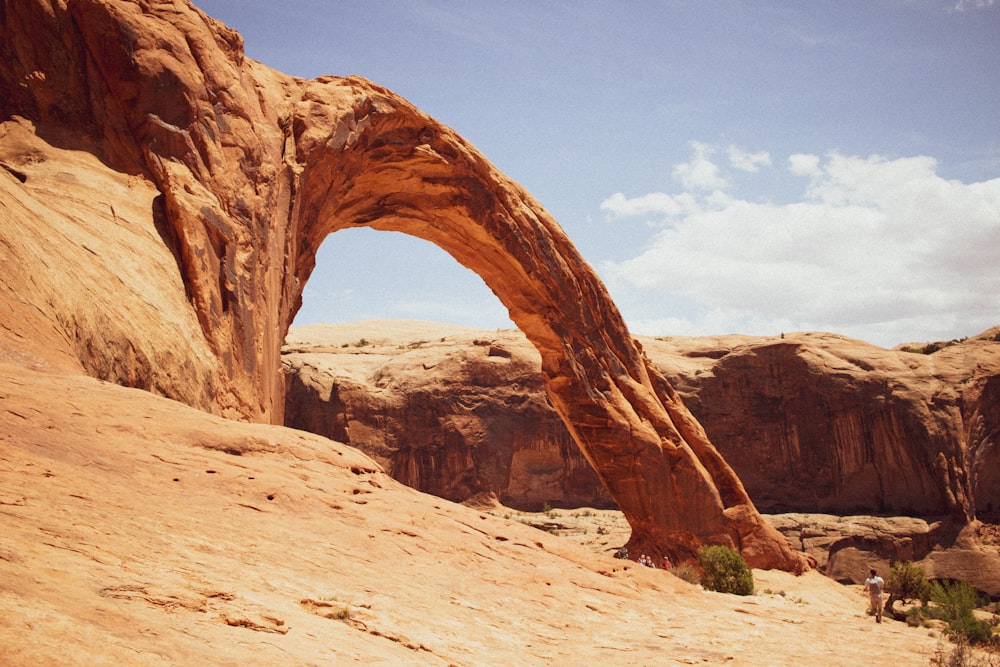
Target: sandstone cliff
238 174
810 422
448 410
823 423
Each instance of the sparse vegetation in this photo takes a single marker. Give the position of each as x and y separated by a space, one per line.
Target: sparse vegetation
931 348
906 582
362 342
961 654
687 571
338 611
954 602
724 570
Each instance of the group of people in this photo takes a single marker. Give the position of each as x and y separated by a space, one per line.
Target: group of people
648 561
643 559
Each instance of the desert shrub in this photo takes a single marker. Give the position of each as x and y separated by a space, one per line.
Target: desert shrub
725 570
687 571
956 602
954 599
907 582
915 617
961 654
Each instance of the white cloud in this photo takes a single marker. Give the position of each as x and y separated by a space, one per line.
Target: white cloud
749 162
700 173
882 250
803 164
962 5
653 204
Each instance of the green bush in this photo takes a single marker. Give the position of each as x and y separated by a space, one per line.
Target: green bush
725 570
955 602
954 599
907 582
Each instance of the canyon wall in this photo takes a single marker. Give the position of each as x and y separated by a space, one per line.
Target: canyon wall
810 422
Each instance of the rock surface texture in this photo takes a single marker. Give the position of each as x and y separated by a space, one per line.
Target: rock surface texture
822 423
139 531
451 411
241 172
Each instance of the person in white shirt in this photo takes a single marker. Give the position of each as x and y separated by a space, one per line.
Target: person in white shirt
874 585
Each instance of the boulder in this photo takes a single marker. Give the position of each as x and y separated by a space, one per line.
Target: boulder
846 547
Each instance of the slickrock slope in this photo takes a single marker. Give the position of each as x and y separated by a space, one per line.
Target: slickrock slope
241 172
135 530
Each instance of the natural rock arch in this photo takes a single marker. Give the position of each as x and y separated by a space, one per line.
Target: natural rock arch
257 168
410 174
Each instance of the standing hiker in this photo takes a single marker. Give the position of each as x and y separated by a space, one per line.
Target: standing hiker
874 585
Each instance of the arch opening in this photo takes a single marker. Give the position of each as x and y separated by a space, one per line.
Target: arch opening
366 274
461 409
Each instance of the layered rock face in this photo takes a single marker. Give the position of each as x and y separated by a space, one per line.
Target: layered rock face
810 422
822 423
242 172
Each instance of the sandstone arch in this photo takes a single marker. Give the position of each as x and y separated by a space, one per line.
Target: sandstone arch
257 168
412 175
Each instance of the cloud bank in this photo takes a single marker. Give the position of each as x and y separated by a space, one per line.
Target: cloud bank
880 249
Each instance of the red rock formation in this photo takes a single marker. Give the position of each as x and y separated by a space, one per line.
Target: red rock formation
823 423
846 547
450 411
255 169
811 423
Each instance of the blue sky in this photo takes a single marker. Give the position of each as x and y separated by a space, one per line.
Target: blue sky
726 167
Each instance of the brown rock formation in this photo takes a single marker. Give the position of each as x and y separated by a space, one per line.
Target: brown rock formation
823 423
811 422
846 547
451 411
253 169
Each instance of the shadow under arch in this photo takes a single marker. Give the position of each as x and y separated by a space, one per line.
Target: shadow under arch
383 164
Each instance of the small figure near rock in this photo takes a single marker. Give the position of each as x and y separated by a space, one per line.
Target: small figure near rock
666 563
874 585
622 553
